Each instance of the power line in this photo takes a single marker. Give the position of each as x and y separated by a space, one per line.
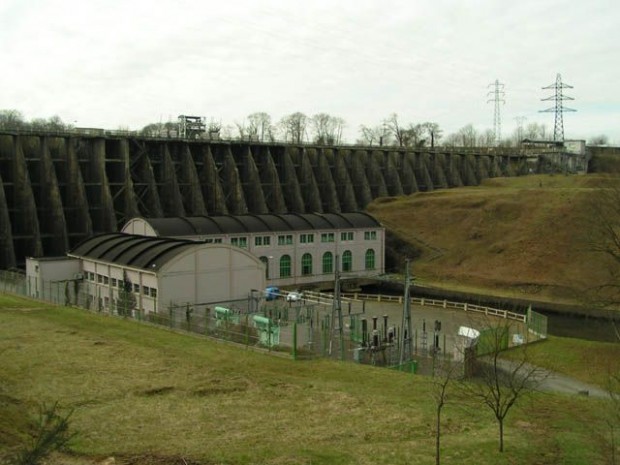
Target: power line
558 108
498 97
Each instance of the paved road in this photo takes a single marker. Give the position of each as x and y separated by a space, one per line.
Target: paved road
549 381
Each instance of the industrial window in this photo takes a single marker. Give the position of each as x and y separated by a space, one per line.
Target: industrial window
114 282
346 236
136 288
370 259
285 266
306 264
99 278
105 280
262 241
370 235
306 238
347 261
213 240
239 242
153 292
327 237
328 262
285 240
145 290
91 276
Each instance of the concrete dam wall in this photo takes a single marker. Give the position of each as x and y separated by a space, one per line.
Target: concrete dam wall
58 190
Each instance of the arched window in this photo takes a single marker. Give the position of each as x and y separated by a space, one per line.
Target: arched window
347 261
370 259
328 262
285 266
306 264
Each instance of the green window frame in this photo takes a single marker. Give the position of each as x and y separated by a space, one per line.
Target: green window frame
347 261
285 266
306 264
328 262
369 259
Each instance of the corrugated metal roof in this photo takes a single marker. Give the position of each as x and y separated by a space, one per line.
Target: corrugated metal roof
130 250
239 224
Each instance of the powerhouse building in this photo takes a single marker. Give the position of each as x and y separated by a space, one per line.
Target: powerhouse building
297 250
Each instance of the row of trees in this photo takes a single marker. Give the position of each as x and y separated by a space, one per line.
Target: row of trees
323 129
14 119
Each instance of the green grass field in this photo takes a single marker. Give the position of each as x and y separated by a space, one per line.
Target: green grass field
150 396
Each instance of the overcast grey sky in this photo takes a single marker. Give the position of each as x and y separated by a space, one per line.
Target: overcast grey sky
111 63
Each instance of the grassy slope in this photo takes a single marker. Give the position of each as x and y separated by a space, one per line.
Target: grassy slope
523 237
145 395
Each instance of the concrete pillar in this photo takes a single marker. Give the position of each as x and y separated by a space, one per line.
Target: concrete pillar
468 171
495 170
235 198
482 167
344 187
291 184
438 171
191 190
374 174
453 170
390 174
212 190
24 218
410 184
146 186
129 200
254 197
325 182
270 180
98 189
75 202
7 250
50 209
307 181
422 172
169 191
356 161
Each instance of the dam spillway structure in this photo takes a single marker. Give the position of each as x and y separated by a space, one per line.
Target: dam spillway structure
57 189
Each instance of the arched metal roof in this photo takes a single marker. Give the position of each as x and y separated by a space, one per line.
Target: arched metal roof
271 222
134 251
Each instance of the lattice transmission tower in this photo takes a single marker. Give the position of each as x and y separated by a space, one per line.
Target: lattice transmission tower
558 97
498 97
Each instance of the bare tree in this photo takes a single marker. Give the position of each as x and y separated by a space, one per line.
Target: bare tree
259 125
11 119
502 383
434 132
327 129
443 376
370 135
394 128
294 127
601 139
413 136
468 136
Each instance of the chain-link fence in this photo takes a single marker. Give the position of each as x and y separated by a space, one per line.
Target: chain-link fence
305 328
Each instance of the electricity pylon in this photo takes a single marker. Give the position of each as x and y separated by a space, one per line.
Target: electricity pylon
498 97
558 97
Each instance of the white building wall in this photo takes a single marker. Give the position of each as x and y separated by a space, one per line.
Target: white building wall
214 273
46 277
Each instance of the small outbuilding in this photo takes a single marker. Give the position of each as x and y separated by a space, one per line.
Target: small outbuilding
162 271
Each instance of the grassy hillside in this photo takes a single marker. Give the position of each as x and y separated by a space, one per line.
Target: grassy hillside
526 237
149 396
